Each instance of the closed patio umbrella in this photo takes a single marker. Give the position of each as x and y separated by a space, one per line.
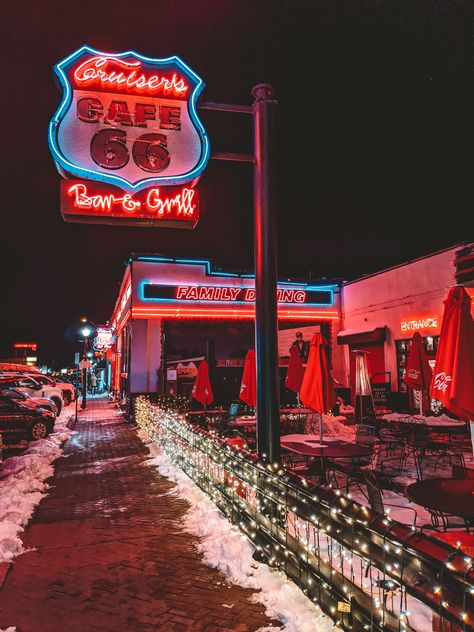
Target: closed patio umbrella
295 373
248 389
363 397
317 390
453 377
418 373
202 391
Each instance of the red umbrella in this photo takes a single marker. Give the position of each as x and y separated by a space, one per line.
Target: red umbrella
317 390
418 373
295 373
202 391
453 382
248 389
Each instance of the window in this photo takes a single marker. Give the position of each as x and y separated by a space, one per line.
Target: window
7 406
430 344
25 382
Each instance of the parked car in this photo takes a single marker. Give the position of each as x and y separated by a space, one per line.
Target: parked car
28 400
18 421
29 385
69 392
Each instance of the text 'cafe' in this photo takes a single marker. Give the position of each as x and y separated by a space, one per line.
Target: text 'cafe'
171 313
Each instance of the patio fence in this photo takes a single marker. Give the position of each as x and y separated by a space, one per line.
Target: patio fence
366 571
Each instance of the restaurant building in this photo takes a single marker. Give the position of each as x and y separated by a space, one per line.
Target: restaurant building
380 313
172 313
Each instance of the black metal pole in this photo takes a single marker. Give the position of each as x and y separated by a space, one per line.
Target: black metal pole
266 328
84 378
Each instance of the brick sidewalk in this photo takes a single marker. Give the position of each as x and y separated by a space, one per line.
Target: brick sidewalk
110 554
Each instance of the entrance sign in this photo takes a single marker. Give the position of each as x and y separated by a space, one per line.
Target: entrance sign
429 322
128 121
87 201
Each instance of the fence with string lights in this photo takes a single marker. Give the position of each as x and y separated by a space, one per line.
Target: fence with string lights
366 571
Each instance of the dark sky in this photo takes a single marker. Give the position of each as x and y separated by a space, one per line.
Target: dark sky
375 105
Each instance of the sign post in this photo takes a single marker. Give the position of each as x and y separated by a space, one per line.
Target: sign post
266 334
84 365
76 362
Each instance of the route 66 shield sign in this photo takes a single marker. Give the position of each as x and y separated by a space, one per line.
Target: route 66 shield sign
128 120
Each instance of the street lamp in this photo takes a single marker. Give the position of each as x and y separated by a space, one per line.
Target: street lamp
85 332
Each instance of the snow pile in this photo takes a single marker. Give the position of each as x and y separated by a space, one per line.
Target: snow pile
439 419
225 548
22 486
334 427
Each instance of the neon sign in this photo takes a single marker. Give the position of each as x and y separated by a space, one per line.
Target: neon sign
88 201
419 323
104 339
128 121
26 345
106 71
226 294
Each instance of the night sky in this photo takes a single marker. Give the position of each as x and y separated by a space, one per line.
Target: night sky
375 103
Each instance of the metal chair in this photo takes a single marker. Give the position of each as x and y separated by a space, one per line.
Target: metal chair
375 496
427 466
433 465
294 424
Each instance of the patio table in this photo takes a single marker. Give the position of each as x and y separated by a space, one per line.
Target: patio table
206 412
244 422
325 450
445 495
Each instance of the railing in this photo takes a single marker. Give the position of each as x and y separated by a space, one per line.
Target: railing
364 570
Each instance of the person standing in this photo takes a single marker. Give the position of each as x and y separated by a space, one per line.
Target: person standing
302 346
94 384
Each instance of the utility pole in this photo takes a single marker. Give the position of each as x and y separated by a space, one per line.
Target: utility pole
266 317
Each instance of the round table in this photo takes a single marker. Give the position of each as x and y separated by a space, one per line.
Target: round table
446 495
326 451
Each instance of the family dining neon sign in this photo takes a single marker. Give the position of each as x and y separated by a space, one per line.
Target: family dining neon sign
229 294
217 293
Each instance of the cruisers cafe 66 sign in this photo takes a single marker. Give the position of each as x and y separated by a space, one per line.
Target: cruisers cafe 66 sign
127 139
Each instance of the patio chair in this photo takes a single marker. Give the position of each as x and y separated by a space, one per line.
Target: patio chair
428 466
296 463
295 424
365 436
433 465
376 499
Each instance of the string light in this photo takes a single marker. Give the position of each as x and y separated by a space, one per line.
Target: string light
285 524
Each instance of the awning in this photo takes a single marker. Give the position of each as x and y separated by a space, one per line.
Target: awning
361 336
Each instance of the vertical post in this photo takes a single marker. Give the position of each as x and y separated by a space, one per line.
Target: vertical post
266 328
84 378
77 386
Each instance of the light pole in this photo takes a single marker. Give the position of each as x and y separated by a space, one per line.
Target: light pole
86 332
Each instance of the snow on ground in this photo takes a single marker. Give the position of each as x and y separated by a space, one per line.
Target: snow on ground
224 547
22 485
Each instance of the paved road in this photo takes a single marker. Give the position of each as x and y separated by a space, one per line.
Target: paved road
110 554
